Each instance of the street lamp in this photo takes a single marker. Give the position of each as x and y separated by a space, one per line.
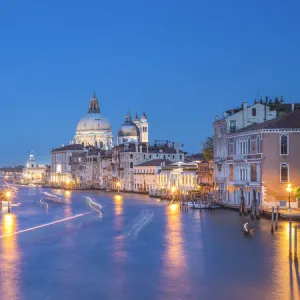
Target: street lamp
8 194
289 190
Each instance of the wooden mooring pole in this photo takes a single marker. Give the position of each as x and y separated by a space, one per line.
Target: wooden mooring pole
277 212
272 228
290 239
295 245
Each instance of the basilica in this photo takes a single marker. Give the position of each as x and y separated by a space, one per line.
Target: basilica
94 129
94 159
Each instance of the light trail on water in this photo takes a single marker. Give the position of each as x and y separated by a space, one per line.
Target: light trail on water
45 225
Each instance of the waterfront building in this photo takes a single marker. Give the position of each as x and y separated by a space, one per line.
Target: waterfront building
127 155
94 129
205 176
232 121
95 169
180 176
262 159
145 175
65 163
34 172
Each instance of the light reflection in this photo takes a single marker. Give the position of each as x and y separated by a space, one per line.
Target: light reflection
174 272
119 253
9 259
286 278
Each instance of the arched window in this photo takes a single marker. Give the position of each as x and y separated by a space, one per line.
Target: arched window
284 173
253 112
283 144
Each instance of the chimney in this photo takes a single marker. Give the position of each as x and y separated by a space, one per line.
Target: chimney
216 118
245 114
293 106
224 114
141 148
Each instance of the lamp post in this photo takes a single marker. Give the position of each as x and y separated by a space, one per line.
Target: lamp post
289 190
8 194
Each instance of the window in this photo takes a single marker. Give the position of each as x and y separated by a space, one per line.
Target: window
258 144
144 156
284 173
253 172
219 167
283 144
232 125
131 165
231 172
253 112
180 157
131 155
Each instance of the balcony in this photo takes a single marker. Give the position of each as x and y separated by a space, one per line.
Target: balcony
219 159
240 157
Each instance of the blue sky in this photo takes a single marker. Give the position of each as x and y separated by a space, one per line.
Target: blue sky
182 62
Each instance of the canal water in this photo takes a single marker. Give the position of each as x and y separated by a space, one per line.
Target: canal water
136 247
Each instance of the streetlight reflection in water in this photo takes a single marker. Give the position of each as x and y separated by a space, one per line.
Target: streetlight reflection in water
9 259
174 268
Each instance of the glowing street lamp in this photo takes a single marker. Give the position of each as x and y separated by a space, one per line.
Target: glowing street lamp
8 194
289 190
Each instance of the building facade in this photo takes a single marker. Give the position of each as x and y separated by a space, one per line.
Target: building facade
145 175
34 172
233 121
262 160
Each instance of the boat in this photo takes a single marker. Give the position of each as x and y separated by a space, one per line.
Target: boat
5 204
201 205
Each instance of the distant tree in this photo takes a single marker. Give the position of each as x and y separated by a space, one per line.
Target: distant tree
296 191
207 147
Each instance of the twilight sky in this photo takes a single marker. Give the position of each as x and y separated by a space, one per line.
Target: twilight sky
182 62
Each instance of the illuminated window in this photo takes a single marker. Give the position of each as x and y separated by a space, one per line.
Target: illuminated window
231 172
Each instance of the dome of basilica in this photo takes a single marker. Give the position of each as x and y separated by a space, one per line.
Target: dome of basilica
93 122
94 128
128 129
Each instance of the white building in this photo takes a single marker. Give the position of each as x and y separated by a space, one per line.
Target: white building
145 175
34 172
94 128
65 162
181 175
232 121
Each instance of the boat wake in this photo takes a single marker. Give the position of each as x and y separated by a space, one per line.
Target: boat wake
138 224
45 225
59 200
93 205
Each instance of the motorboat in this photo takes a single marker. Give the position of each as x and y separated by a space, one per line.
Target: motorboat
201 205
5 204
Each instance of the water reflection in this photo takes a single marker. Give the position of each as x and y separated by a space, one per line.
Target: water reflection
9 259
286 274
118 250
174 271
